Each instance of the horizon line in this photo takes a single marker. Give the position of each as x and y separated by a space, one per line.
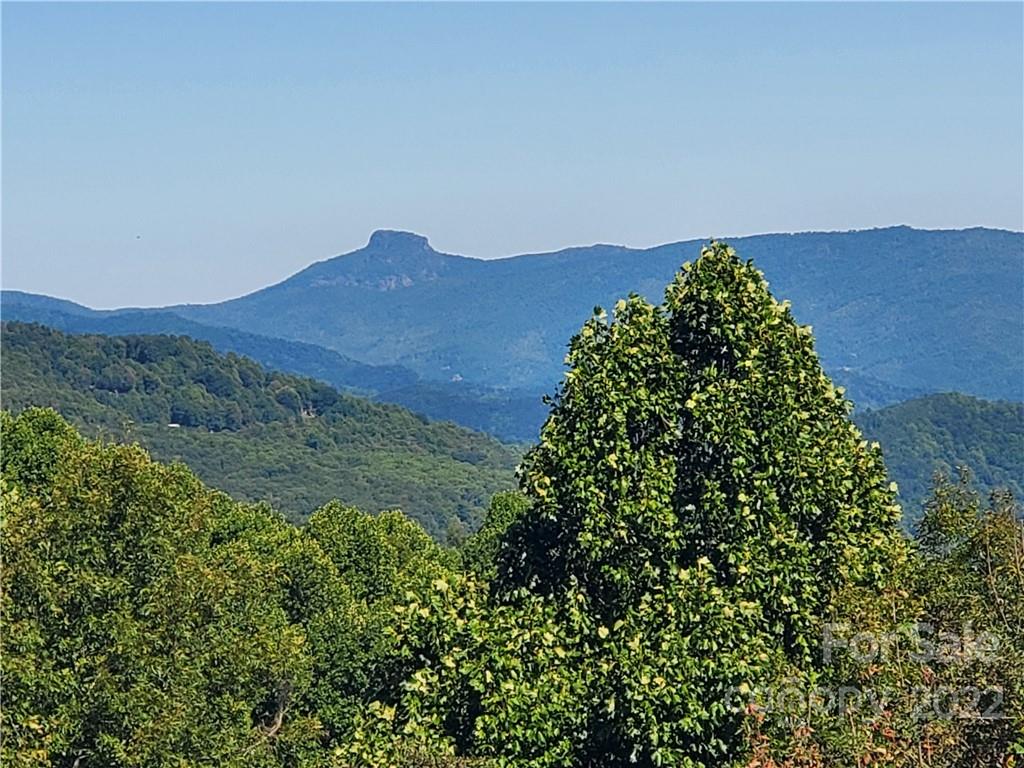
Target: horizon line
684 241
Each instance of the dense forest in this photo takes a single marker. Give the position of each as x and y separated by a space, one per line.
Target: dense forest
941 433
703 567
257 434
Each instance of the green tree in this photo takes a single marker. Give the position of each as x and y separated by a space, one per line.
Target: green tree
698 498
481 551
972 585
135 633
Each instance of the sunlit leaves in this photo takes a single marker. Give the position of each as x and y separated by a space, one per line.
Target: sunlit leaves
698 495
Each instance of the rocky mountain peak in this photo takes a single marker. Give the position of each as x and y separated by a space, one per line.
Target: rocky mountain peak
397 240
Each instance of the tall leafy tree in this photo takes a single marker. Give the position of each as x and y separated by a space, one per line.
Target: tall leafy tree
702 436
699 496
707 429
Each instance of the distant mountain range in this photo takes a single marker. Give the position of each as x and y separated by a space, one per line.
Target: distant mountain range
897 313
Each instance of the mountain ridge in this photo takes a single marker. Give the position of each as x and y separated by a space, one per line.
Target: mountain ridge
381 235
868 293
898 312
508 414
382 241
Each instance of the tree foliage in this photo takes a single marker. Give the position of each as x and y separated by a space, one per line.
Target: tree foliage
150 621
972 585
699 497
133 635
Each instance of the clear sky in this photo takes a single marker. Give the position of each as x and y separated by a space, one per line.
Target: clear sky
160 153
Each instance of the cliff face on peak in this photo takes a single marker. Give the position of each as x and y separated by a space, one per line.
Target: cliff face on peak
397 240
391 260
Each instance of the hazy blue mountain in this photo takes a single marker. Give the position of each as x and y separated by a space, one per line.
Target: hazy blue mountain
279 354
897 313
34 303
918 311
513 415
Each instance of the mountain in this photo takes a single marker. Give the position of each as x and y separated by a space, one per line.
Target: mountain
257 434
939 433
266 435
509 414
297 357
896 311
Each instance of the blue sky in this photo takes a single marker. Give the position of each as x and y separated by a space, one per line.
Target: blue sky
161 153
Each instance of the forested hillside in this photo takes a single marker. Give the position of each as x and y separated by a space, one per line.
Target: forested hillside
512 415
703 569
256 434
255 441
941 433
